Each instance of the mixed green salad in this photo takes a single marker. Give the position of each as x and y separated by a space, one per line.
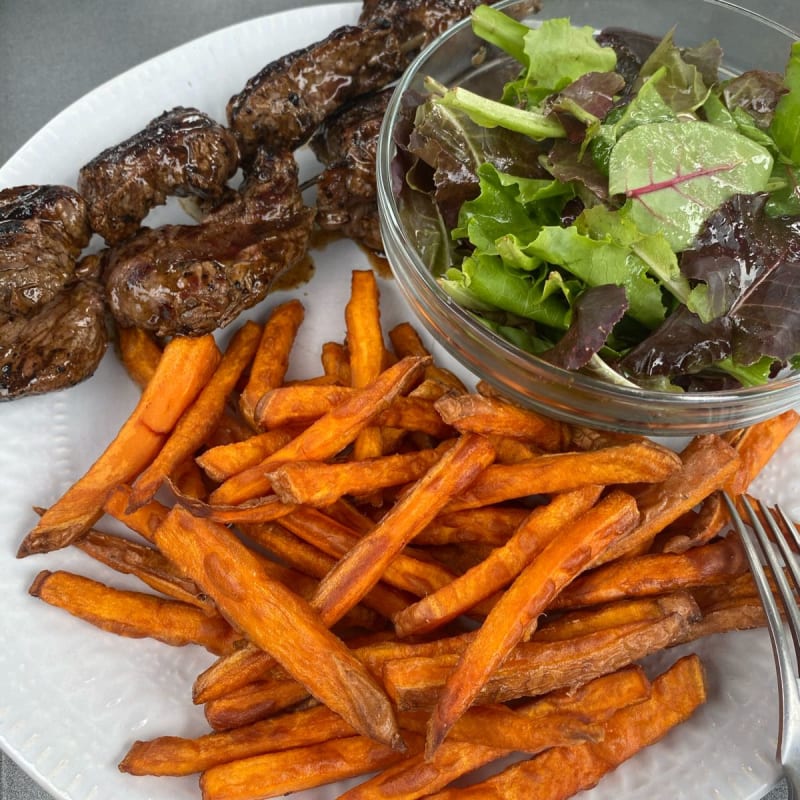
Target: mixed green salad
618 208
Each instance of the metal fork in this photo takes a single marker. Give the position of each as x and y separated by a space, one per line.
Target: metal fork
775 550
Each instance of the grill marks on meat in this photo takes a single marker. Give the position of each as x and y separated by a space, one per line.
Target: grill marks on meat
346 189
182 152
283 104
42 232
52 316
192 279
57 347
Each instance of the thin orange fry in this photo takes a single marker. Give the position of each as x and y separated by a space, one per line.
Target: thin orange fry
184 368
202 416
277 620
271 359
501 566
328 435
517 610
139 353
364 564
134 614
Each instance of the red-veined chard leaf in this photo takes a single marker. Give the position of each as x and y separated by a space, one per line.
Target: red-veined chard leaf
675 174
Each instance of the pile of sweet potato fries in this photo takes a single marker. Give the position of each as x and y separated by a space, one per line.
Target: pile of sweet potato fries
400 576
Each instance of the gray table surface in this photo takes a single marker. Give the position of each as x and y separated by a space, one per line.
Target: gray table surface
52 52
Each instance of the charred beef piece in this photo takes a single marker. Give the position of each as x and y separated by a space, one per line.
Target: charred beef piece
346 144
58 346
192 279
416 19
283 104
42 232
182 152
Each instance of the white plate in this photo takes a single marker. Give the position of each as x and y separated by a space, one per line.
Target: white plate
74 698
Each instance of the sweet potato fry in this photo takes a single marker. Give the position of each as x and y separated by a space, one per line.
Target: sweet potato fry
336 363
755 446
328 435
559 772
175 755
707 462
407 342
262 509
320 484
488 733
134 614
498 417
139 353
560 472
271 358
277 774
502 565
659 573
254 702
364 564
694 527
225 460
146 563
184 368
517 610
404 571
534 668
200 419
144 521
277 620
366 349
492 525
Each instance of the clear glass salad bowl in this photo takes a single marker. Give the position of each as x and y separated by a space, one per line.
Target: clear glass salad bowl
749 41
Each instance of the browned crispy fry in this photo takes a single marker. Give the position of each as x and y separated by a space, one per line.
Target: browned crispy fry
277 620
175 755
321 484
146 563
364 564
311 560
144 521
755 446
256 701
404 571
707 462
694 527
491 525
134 614
366 349
183 370
262 509
656 573
487 733
224 460
498 417
271 359
329 434
336 362
139 353
502 565
560 472
560 772
533 668
200 418
517 610
406 342
188 480
277 774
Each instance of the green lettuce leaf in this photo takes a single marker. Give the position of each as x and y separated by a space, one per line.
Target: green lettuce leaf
785 126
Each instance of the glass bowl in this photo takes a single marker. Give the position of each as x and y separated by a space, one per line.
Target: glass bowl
458 56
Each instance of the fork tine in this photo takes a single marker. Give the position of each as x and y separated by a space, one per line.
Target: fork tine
788 692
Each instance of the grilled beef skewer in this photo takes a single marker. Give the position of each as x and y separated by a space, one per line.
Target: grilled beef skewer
346 144
181 152
193 279
281 106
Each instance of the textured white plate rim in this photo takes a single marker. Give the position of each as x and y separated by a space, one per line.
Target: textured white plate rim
74 698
